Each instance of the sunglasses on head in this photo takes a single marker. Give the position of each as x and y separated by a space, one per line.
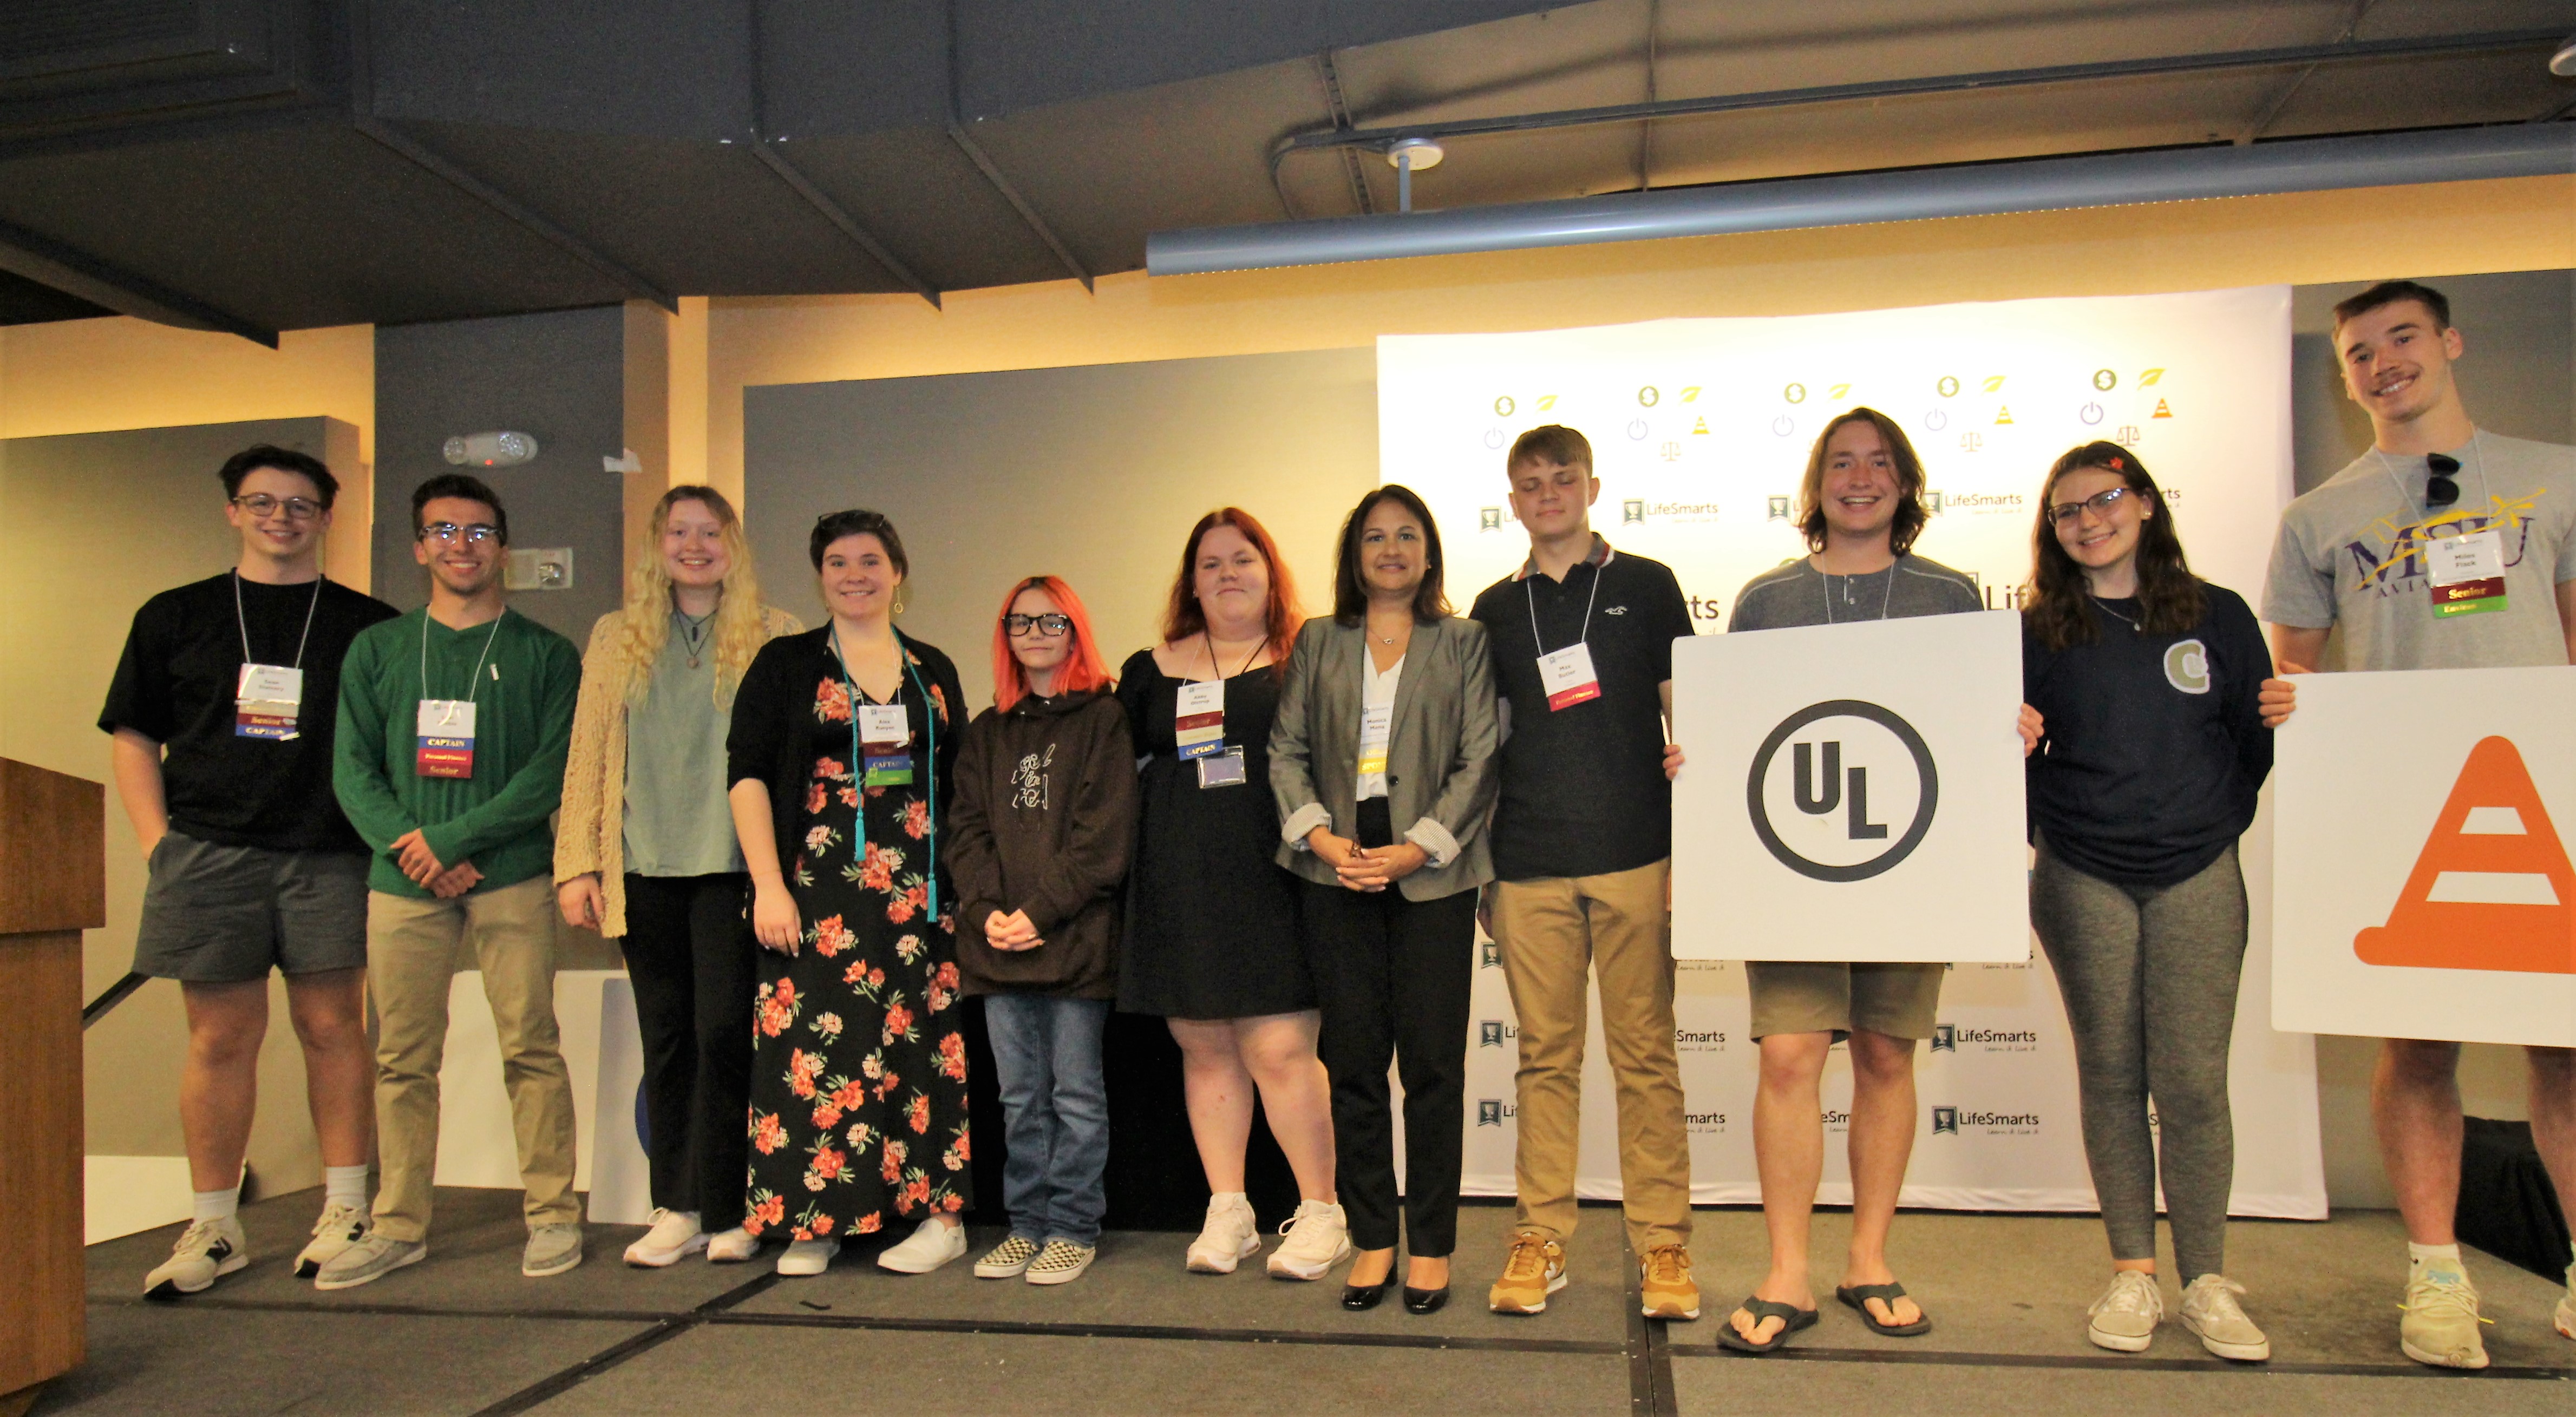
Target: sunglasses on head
2439 488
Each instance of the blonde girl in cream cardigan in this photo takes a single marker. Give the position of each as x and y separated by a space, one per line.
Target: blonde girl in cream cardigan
645 854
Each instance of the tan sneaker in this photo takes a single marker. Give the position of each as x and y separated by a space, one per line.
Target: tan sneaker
1664 1281
2210 1311
2441 1323
1535 1269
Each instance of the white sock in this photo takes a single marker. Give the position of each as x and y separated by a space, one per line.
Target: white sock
2420 1258
1232 1198
344 1185
214 1205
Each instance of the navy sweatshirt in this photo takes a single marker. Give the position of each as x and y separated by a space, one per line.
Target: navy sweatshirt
2154 744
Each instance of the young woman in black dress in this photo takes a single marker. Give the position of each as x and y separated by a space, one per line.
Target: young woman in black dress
1212 941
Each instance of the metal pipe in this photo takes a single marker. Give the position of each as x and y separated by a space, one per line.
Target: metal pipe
1790 204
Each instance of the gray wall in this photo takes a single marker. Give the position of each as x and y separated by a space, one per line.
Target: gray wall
560 376
1095 473
107 521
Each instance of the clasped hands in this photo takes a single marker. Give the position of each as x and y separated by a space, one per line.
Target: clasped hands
1011 933
422 865
1366 868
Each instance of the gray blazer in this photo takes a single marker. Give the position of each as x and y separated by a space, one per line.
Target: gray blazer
1442 774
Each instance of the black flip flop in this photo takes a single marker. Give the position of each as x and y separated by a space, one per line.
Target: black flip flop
1859 1295
1791 1317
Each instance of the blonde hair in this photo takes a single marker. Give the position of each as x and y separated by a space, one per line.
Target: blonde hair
645 629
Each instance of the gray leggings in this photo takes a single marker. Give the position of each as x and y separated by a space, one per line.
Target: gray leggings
2149 974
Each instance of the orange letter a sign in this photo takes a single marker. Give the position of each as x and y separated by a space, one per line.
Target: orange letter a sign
2492 889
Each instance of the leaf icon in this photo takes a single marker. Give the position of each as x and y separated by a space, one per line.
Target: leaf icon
1838 391
2149 377
1546 402
1994 382
1691 394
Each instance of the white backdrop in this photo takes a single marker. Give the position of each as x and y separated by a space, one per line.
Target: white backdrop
1700 430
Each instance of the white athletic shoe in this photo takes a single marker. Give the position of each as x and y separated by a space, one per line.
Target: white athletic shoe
675 1236
338 1229
2124 1319
2210 1311
1319 1237
732 1246
806 1258
934 1244
207 1250
2441 1327
1230 1236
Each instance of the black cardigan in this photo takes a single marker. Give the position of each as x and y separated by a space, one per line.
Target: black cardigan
773 720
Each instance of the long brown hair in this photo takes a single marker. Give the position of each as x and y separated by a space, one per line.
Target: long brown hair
1910 516
2055 605
1350 588
1183 618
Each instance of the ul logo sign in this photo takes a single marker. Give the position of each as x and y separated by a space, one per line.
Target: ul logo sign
1850 799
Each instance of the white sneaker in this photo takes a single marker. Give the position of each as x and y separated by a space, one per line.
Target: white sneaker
2210 1311
338 1229
2442 1319
732 1246
1229 1237
675 1236
1319 1237
806 1258
934 1244
2124 1319
207 1250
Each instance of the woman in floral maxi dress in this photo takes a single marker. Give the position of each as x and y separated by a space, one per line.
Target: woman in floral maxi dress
858 1097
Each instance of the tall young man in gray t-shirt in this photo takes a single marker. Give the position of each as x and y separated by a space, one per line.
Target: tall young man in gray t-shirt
1860 508
2352 557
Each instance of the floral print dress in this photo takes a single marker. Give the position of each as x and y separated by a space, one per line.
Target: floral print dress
858 1097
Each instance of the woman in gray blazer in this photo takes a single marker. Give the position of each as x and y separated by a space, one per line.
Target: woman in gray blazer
1382 758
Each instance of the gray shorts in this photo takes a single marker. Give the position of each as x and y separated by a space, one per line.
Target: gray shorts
224 914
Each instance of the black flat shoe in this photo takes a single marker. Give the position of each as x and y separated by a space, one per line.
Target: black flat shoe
1359 1297
1425 1301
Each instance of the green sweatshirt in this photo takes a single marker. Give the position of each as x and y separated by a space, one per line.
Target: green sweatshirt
500 818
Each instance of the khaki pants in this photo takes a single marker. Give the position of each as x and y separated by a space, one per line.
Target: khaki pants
411 963
1553 932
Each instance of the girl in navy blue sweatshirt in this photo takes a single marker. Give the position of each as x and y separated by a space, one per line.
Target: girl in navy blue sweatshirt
2144 679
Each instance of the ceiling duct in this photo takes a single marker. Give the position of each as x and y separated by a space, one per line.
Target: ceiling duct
1792 204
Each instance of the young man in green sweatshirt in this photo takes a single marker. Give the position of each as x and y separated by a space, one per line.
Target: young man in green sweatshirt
449 760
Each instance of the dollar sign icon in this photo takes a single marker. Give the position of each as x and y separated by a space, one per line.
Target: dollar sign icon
2106 380
1503 406
1795 393
1948 387
1649 396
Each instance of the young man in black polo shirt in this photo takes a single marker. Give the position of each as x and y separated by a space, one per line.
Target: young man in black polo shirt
221 713
1582 642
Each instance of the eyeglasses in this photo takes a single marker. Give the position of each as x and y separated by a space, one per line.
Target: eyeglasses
2099 504
2439 489
1049 626
305 509
473 535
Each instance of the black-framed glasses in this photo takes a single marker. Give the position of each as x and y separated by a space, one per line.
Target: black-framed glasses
298 509
1048 626
2099 504
2439 489
473 534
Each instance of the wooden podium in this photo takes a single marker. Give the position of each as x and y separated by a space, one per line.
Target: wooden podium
52 887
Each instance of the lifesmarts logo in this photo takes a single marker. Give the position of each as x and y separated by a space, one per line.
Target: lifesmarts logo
1955 1121
1825 808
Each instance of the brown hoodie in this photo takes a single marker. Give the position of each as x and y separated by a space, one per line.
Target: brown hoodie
1044 820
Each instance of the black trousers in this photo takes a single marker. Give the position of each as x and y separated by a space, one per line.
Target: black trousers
692 961
1392 977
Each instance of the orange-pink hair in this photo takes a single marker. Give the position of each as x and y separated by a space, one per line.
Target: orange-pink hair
1082 669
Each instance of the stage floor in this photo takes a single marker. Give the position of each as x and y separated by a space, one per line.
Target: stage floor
464 1333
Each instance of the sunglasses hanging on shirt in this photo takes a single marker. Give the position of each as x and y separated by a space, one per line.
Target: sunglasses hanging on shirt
2440 490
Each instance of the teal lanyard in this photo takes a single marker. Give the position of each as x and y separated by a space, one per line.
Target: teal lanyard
858 764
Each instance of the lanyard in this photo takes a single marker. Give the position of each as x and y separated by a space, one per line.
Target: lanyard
1583 634
472 679
2423 513
1221 675
241 622
858 778
1824 587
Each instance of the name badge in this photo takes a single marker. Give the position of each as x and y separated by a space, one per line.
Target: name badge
2467 573
885 745
266 701
1198 722
1223 769
446 728
1377 727
1567 677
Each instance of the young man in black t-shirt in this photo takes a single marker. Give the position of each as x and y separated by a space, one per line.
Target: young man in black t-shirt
1582 639
221 714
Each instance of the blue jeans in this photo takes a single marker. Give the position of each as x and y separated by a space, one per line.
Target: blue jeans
1055 1113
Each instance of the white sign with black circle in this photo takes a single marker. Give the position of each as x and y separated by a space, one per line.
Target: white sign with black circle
1852 792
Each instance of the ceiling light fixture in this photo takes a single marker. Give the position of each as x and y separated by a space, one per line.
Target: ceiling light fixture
1409 156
